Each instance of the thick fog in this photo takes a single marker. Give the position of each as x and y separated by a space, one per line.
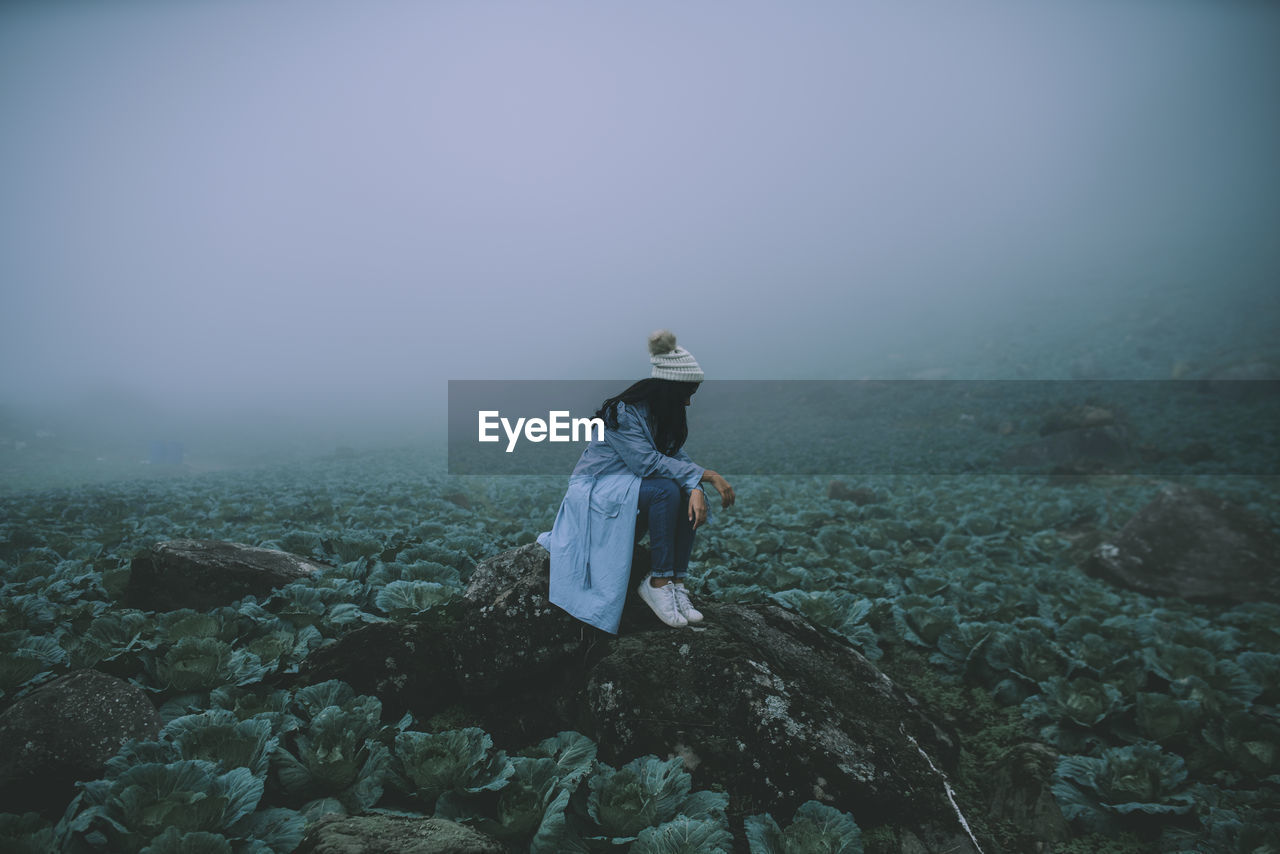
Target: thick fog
304 218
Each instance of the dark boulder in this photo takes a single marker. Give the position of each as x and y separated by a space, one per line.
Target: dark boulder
1192 544
204 574
1196 452
838 490
1080 450
394 834
1076 418
1020 795
459 499
502 639
779 712
755 699
1255 370
1242 382
63 732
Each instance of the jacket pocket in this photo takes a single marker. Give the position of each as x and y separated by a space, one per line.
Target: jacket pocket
605 506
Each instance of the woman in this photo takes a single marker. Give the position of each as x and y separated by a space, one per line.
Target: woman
639 476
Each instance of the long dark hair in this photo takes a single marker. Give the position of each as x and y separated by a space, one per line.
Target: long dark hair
665 399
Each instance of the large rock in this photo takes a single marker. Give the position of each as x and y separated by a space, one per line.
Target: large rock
394 834
1192 544
1019 795
203 574
1079 450
1080 417
838 490
1250 371
756 699
502 639
779 712
65 731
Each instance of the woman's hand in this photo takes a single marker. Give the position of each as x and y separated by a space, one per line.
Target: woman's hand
697 508
727 495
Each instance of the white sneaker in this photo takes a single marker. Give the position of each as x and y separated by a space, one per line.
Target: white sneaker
684 606
662 600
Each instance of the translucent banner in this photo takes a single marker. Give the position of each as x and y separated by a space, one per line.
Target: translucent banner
908 427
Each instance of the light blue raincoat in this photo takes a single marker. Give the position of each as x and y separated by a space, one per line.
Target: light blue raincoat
594 532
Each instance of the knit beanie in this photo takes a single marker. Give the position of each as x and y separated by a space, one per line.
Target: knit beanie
671 362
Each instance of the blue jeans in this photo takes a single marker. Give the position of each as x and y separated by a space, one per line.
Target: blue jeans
665 510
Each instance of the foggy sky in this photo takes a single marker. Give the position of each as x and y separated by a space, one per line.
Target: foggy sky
333 208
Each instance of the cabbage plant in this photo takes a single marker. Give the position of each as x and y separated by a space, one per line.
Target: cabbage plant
1245 745
1161 718
429 766
646 792
573 753
1260 672
330 607
1176 664
24 658
256 701
283 647
843 612
220 623
401 599
1018 660
129 811
28 833
1071 710
1230 822
417 570
197 665
685 836
115 639
960 648
1124 781
220 737
814 827
528 812
31 611
333 761
174 841
920 620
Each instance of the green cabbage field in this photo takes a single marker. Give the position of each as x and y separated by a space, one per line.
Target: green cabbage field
1163 713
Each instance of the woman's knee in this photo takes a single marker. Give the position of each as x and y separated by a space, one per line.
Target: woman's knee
663 488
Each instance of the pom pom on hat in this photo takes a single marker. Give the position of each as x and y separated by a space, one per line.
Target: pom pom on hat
671 361
662 341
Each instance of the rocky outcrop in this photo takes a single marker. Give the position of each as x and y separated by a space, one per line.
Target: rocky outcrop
1080 450
778 712
1081 417
1192 544
204 574
1251 370
394 834
1019 795
756 699
63 732
1247 386
838 490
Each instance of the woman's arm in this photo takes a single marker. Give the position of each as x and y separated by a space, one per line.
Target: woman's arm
698 510
708 476
633 445
727 495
